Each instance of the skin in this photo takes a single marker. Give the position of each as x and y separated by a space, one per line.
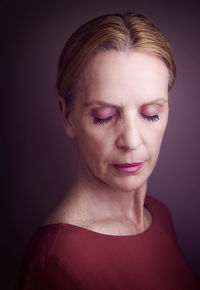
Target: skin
119 116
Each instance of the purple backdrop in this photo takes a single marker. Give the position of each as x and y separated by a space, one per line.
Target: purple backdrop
38 161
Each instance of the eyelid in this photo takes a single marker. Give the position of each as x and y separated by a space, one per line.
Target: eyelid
151 109
104 112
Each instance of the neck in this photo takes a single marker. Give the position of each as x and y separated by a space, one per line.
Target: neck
102 202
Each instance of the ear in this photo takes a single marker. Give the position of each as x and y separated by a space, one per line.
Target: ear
67 118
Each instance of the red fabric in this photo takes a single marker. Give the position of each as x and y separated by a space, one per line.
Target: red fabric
63 256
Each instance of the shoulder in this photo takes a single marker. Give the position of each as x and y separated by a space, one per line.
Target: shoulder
46 261
51 238
43 239
63 244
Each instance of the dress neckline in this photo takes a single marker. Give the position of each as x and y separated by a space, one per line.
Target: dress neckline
92 232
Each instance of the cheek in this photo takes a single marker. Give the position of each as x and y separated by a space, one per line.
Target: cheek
153 139
92 143
94 135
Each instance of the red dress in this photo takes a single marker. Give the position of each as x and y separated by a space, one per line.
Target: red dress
63 256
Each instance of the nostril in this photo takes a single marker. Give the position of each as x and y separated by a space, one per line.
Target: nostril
129 139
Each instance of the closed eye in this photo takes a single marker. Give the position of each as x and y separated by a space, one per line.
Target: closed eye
102 121
153 118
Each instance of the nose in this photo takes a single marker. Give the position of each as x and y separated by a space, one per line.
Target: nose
129 137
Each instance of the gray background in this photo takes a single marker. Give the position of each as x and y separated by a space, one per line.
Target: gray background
39 160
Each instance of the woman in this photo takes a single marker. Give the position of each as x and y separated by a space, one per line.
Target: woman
114 78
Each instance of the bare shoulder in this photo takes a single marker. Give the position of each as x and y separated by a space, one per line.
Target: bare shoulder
56 216
71 211
62 213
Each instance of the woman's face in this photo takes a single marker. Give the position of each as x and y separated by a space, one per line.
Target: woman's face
119 117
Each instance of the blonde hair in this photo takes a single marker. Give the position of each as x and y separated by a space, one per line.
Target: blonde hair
109 32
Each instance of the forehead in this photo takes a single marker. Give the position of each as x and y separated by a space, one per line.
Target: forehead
117 76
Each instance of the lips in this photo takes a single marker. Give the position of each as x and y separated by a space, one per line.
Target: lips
129 167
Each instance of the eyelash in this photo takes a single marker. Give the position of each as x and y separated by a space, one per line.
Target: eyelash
153 118
102 121
99 121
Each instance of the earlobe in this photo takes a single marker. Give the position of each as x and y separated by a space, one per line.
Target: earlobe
67 118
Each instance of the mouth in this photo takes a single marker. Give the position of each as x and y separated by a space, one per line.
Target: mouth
128 167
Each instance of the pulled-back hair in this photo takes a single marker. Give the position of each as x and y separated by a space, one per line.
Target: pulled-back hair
119 32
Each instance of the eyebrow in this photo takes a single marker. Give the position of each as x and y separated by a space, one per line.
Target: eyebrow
96 102
156 101
99 103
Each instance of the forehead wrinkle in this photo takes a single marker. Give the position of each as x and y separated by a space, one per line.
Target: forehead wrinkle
110 88
97 102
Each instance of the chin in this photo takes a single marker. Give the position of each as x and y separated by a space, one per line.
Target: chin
127 184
